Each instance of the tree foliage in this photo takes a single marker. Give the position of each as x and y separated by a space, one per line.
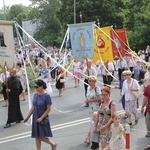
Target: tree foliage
54 15
49 28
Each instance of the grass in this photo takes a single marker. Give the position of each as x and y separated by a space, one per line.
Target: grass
31 78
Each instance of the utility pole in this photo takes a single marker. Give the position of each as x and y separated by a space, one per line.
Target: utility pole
74 11
81 17
4 9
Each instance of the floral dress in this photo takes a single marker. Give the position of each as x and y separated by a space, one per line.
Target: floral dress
117 141
91 94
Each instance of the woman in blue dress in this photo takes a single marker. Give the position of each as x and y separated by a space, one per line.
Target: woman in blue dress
40 109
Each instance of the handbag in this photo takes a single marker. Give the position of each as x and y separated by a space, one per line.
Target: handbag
138 93
45 121
62 81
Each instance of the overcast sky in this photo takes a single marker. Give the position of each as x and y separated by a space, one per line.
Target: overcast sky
13 2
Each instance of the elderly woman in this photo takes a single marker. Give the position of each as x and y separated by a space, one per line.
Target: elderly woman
137 70
130 85
146 79
93 99
106 109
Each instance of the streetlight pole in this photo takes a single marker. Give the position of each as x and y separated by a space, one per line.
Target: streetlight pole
4 10
74 11
80 17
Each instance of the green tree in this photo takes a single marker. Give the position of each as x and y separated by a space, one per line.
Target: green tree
137 22
108 12
49 29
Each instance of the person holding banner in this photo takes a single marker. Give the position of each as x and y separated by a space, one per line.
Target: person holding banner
3 82
121 65
14 90
107 69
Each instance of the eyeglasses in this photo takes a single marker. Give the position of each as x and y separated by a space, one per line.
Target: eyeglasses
91 81
36 86
104 94
127 75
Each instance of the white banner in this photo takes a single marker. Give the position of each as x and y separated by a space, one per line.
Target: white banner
7 52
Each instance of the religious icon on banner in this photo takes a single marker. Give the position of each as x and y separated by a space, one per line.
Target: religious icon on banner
6 44
102 45
82 40
81 36
100 42
2 40
119 36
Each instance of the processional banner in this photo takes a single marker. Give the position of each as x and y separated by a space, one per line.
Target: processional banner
102 44
82 36
6 44
119 37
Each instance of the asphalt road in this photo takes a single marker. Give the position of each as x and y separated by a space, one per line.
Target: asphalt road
69 121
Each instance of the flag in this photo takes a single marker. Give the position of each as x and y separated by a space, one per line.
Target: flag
102 44
6 44
81 36
118 45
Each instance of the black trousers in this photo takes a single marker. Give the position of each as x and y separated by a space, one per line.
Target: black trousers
120 72
53 72
85 86
107 80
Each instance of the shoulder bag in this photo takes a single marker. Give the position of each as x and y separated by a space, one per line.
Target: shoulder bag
138 93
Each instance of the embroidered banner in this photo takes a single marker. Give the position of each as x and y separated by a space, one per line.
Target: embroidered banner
102 45
81 36
119 36
6 44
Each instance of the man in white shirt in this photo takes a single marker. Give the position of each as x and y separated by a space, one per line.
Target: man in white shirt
3 82
121 65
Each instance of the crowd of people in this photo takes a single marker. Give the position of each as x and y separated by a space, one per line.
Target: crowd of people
52 67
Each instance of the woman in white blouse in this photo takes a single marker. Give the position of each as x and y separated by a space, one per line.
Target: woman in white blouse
146 79
130 85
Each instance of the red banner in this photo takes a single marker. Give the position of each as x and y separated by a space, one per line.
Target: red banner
119 36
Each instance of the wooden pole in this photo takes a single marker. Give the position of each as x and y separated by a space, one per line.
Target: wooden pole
6 83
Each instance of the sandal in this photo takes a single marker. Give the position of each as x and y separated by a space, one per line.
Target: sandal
147 147
54 146
147 135
87 140
125 117
130 123
136 120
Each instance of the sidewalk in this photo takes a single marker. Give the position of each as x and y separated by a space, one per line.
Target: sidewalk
1 98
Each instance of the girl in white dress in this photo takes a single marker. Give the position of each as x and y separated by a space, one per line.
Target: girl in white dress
117 141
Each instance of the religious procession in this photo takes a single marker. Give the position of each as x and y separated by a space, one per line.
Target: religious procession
92 65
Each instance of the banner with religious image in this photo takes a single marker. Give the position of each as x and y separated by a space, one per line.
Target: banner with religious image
102 45
119 37
81 36
6 44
